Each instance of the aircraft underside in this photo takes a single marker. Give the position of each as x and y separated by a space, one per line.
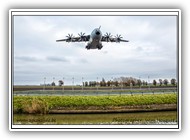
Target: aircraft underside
94 45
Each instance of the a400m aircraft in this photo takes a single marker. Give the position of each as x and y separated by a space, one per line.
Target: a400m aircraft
95 39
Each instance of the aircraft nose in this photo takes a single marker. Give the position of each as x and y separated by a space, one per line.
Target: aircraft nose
97 33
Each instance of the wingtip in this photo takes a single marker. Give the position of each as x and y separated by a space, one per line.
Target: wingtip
58 40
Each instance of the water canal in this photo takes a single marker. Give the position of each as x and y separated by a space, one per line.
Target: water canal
144 118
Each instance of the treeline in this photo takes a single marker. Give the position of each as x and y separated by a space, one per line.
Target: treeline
122 81
128 81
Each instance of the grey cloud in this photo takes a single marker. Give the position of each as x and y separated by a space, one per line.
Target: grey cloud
57 59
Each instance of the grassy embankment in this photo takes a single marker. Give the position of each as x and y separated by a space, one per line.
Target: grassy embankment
44 104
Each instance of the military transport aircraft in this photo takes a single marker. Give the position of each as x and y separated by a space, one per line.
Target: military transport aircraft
94 40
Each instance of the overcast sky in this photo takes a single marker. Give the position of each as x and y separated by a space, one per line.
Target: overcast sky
151 51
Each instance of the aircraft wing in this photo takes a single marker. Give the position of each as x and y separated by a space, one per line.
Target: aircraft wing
61 40
108 38
71 38
122 40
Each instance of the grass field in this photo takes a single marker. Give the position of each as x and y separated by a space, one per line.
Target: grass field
42 104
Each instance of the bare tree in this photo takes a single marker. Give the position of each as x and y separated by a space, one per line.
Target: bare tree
108 83
139 82
160 81
165 82
103 82
154 82
86 84
53 84
116 83
173 81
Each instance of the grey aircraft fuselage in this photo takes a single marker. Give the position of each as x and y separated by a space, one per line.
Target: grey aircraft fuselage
95 40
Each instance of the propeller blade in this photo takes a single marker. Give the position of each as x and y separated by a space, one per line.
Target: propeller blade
107 37
69 37
82 37
118 38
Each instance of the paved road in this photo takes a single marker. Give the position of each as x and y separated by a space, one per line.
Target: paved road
73 93
23 88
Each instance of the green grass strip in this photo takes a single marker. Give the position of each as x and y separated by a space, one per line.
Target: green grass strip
41 104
